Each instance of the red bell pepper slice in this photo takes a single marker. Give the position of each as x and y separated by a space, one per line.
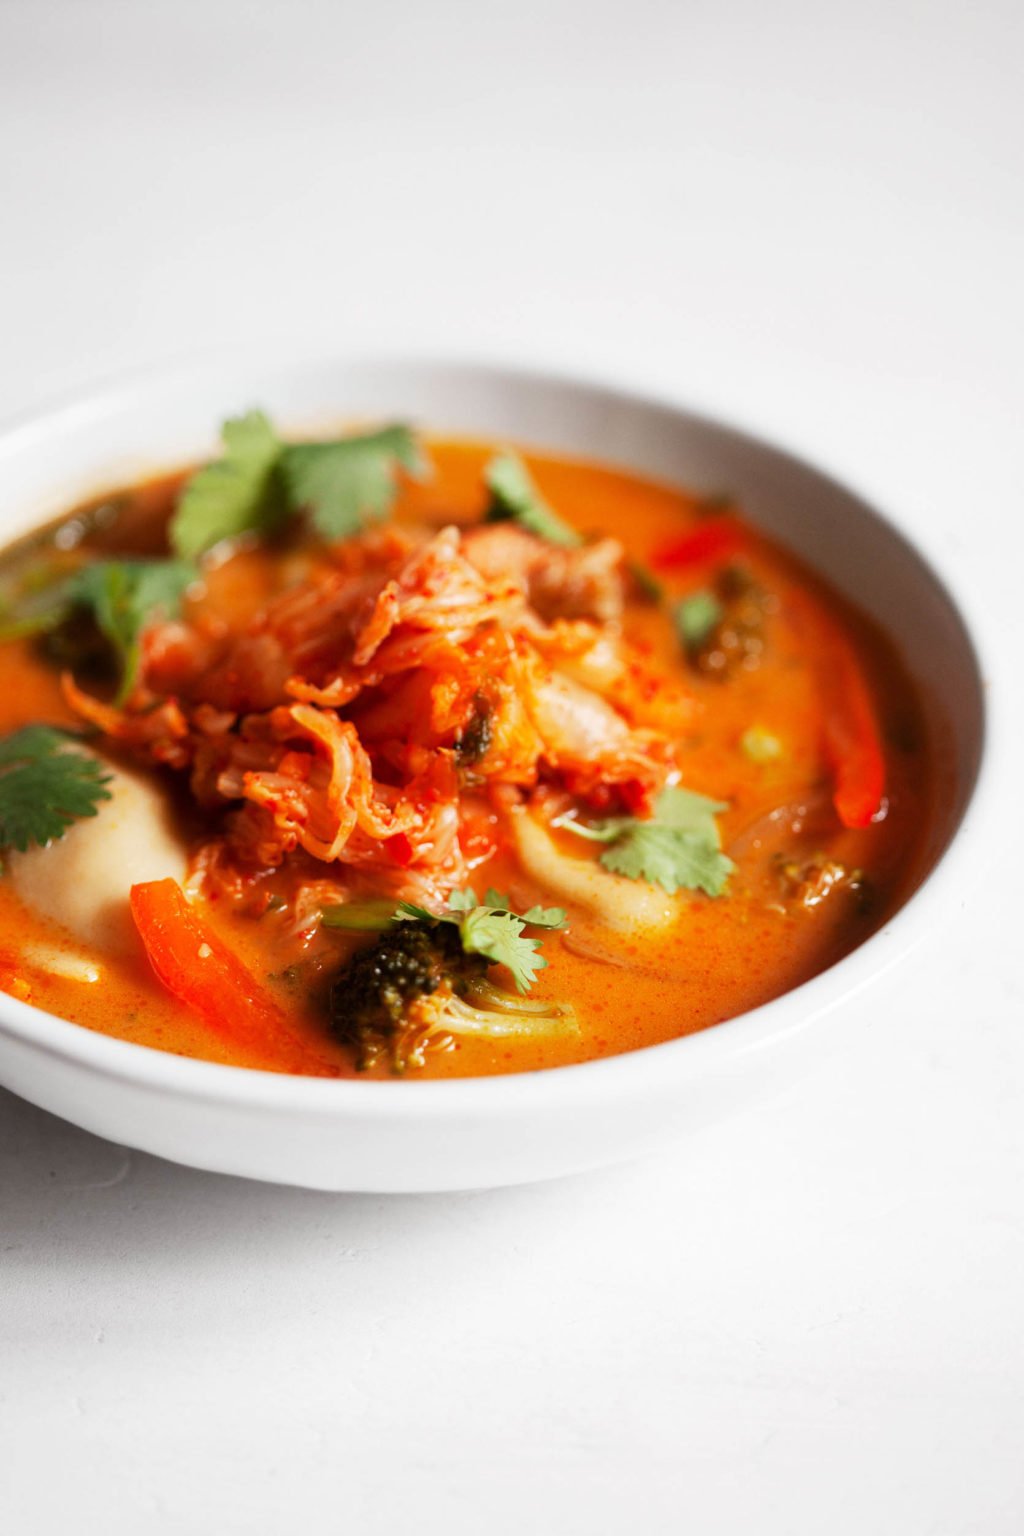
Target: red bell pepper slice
851 737
716 539
853 744
202 972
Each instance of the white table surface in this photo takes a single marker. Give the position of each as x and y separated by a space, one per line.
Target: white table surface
809 217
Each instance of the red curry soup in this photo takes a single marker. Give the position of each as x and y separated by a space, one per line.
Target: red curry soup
387 757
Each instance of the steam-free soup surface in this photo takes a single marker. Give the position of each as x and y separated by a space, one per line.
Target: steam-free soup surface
743 705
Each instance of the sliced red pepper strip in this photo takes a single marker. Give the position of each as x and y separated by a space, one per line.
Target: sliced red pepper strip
208 977
851 737
853 745
716 539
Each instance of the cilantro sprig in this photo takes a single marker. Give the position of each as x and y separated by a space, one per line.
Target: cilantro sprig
679 848
122 596
515 498
45 785
239 493
351 481
493 930
260 481
125 597
490 928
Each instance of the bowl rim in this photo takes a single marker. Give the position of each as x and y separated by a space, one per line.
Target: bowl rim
717 1047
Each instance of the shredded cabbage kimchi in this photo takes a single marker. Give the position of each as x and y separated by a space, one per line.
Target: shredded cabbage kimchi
361 756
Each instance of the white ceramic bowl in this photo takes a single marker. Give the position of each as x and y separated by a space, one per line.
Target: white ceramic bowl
409 1136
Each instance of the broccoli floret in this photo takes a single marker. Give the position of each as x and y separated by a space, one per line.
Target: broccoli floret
377 1000
418 985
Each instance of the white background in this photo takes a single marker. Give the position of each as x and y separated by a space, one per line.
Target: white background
808 217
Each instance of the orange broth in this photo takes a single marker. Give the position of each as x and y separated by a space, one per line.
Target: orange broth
722 958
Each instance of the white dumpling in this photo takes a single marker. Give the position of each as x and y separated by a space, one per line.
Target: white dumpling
82 880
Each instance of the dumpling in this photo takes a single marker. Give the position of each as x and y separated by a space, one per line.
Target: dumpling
82 880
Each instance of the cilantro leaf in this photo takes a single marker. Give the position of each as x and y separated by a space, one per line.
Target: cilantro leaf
515 498
497 901
679 848
495 931
260 480
668 857
238 493
534 917
695 617
491 929
125 596
45 785
544 917
347 483
687 811
498 936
